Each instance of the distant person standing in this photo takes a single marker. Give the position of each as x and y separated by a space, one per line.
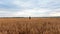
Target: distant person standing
29 17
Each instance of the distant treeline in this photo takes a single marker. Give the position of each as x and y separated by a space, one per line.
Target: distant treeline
31 17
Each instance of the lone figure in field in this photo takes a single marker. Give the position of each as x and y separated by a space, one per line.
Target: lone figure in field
29 17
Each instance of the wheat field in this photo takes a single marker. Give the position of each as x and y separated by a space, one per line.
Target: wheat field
29 26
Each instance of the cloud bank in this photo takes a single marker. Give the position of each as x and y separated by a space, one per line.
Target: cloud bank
33 8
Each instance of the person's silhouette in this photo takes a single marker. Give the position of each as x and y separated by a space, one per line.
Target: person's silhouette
29 17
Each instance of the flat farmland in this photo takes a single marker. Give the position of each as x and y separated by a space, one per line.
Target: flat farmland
29 26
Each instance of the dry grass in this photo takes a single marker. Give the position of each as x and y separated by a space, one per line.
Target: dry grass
32 26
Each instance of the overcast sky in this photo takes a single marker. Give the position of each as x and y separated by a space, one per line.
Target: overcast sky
25 8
